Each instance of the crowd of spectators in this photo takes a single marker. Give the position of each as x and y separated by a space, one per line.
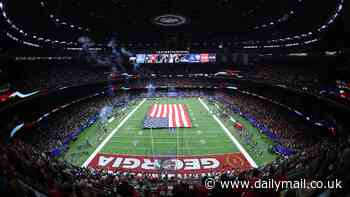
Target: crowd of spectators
28 78
185 82
62 179
291 131
23 162
31 78
293 76
322 161
51 131
300 78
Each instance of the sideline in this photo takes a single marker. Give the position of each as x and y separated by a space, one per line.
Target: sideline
233 139
92 156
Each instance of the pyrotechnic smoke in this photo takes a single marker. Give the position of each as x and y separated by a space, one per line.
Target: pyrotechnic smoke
129 54
86 42
86 45
116 57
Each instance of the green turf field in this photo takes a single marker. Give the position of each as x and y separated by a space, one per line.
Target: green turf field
206 137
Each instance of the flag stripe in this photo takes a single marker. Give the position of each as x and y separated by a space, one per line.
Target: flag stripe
154 111
187 116
180 116
171 117
165 110
183 116
159 111
176 116
150 110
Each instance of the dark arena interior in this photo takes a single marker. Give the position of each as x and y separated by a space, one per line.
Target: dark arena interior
135 98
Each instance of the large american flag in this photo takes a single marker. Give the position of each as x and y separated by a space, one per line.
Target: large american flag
167 116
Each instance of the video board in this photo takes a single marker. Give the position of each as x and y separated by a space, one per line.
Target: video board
173 58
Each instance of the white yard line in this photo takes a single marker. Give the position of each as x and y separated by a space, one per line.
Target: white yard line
233 120
205 106
111 119
233 139
92 156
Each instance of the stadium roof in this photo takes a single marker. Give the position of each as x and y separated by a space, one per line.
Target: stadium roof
246 24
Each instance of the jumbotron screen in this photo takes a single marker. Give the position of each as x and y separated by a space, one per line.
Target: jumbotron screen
173 58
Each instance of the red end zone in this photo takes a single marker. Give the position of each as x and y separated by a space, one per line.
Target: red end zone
179 165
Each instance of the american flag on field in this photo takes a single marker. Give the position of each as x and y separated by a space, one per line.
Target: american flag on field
167 116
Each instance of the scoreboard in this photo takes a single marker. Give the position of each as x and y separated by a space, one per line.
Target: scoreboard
173 57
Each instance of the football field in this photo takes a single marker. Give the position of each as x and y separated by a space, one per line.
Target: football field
208 137
205 137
